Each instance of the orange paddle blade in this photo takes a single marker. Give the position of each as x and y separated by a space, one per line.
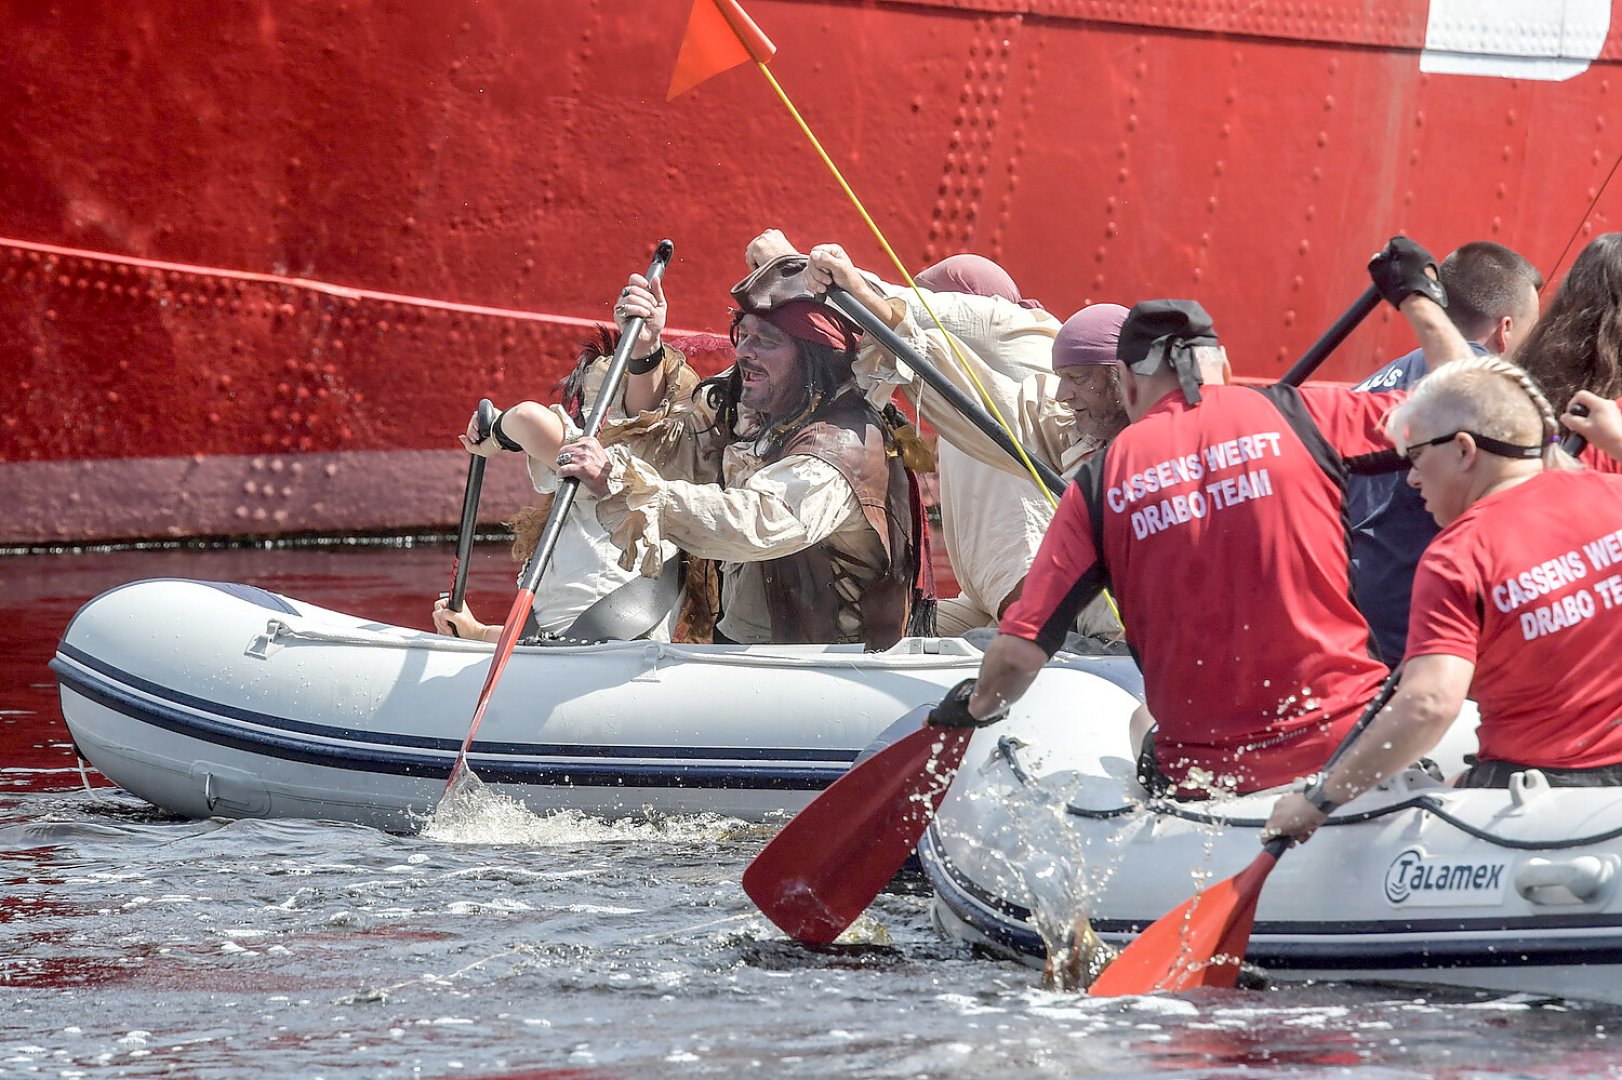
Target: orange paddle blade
1199 943
834 857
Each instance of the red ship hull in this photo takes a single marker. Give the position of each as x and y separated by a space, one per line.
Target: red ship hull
261 261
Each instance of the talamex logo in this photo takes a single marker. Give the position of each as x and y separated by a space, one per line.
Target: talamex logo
1417 879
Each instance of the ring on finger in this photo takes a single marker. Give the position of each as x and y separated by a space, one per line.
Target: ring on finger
565 457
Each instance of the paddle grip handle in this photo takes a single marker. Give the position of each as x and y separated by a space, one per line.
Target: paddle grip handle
971 409
1350 319
485 418
564 499
1574 443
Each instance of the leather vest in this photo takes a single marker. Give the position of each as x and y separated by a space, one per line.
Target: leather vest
808 592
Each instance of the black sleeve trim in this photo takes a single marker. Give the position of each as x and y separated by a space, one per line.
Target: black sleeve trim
1288 401
1376 464
1089 485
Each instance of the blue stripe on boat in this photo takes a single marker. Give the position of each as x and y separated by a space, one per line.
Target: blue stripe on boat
1343 946
117 677
589 766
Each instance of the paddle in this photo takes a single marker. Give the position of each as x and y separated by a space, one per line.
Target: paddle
1176 951
486 416
1201 942
963 403
827 864
561 503
1342 327
833 857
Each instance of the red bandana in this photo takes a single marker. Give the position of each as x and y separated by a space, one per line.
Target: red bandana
810 320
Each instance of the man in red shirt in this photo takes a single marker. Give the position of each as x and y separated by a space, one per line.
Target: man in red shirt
1517 602
1216 518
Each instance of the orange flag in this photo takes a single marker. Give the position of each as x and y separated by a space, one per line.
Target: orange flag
720 35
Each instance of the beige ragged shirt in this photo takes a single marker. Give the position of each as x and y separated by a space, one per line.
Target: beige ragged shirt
758 513
993 513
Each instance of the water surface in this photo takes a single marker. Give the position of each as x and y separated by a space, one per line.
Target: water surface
132 944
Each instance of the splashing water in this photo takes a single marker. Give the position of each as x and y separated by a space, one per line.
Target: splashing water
1042 866
470 813
474 813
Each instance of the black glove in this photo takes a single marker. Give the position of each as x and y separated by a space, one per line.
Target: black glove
1398 271
953 711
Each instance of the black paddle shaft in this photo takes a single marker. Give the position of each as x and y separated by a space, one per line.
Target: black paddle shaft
594 422
971 409
486 418
1314 357
1279 844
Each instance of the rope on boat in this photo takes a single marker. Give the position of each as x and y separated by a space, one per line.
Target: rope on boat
277 632
1008 748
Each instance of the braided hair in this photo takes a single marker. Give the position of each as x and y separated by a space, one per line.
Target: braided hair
1488 396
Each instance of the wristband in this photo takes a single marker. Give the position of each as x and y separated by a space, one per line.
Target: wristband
1314 793
503 440
641 365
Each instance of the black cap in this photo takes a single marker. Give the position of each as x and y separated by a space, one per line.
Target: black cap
1160 332
1182 322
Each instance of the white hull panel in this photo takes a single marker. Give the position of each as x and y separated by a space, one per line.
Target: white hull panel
1394 889
214 699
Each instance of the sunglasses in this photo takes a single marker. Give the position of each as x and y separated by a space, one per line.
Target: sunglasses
1484 442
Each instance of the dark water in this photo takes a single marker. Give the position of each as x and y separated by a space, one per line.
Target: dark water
136 945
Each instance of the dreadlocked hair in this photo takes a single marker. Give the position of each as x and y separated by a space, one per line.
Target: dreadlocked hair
572 390
1488 396
824 370
1577 344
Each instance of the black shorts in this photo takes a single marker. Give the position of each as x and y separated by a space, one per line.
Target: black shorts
1496 774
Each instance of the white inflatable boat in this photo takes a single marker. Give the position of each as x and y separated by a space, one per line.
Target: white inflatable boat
1415 882
220 699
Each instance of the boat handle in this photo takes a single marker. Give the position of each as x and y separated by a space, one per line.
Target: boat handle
264 644
1584 877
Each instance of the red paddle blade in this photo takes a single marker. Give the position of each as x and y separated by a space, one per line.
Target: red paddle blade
516 616
832 859
1199 943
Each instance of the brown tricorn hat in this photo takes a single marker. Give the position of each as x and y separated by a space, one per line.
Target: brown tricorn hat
777 292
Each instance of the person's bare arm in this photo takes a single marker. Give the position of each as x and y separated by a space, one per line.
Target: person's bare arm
1011 664
829 265
1601 425
1428 699
531 425
1436 334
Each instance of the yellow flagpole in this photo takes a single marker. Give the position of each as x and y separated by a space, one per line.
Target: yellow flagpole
963 364
951 342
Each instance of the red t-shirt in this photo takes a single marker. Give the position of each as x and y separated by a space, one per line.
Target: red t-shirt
1527 586
1599 461
1226 546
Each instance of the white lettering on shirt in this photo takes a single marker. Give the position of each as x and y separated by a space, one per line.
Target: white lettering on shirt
1546 577
1552 618
1162 509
